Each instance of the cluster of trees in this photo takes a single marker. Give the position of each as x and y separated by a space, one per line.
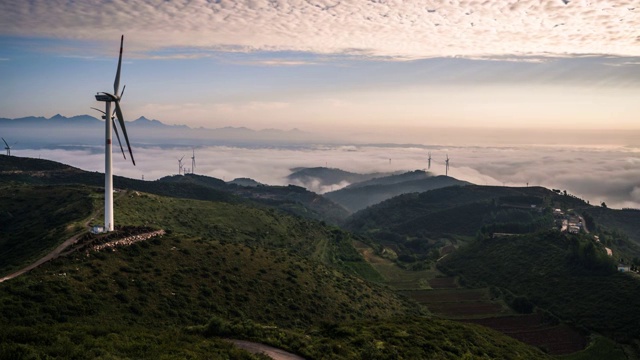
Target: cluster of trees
585 253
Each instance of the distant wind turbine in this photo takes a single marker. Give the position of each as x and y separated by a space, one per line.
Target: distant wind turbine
446 164
180 165
429 166
193 162
8 147
108 98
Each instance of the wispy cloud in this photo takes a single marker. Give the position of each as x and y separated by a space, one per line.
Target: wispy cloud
389 29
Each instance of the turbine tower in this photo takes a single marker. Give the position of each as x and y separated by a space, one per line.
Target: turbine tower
110 126
193 162
429 166
8 147
446 164
180 165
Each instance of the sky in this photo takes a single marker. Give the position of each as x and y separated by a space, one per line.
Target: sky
393 68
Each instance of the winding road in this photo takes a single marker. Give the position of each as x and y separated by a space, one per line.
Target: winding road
58 250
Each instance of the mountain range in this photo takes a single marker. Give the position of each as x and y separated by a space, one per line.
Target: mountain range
85 129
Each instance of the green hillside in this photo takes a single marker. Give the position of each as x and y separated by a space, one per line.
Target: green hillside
417 226
275 278
361 195
33 220
229 266
291 199
568 275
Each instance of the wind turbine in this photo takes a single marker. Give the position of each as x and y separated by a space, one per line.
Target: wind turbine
446 164
193 162
180 165
429 166
8 147
108 98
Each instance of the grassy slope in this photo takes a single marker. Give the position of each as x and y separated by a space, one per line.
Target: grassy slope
359 197
245 224
34 220
406 207
137 301
538 267
230 261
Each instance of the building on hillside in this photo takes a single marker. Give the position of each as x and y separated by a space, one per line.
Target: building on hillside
609 252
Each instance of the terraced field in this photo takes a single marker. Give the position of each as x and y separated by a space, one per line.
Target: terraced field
459 303
534 330
443 297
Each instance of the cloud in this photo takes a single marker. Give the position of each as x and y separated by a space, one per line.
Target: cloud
388 29
595 174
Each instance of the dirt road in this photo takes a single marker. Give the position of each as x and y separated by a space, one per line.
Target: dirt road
58 250
257 348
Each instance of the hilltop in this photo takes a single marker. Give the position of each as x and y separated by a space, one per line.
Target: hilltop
322 179
363 194
291 199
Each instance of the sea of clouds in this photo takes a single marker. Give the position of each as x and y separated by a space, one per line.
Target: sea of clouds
594 173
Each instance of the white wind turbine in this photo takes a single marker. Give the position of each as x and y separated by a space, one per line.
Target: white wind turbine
446 162
110 125
8 147
429 166
180 165
193 162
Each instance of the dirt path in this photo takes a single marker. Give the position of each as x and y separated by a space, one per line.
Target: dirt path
58 250
257 348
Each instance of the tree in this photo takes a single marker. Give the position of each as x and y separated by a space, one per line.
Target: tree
604 205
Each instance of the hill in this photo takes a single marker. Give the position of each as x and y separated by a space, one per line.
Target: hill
569 276
223 269
419 225
38 131
363 194
34 219
290 199
321 179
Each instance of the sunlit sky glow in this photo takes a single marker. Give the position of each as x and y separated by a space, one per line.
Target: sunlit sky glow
321 65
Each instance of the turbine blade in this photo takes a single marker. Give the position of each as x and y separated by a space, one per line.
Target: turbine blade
5 141
116 83
115 128
99 110
124 129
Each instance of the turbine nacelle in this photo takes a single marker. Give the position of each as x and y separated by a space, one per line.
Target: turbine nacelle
106 97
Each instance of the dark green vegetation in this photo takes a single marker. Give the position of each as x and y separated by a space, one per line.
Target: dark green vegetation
569 276
291 199
230 260
363 194
418 226
402 338
33 220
